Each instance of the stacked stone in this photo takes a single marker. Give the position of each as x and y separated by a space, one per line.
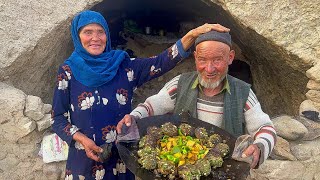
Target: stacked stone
296 154
23 121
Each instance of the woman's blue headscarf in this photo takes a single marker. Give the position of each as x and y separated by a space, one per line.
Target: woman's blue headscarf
93 70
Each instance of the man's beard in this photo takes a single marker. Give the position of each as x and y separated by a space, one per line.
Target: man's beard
208 84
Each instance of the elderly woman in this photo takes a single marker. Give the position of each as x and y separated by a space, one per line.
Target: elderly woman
94 91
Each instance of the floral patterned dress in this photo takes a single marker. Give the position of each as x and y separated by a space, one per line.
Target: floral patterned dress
95 112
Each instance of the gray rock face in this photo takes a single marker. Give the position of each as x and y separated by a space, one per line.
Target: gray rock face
289 128
35 40
12 103
306 149
282 25
275 170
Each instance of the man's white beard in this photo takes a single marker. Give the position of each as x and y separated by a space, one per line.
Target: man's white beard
210 85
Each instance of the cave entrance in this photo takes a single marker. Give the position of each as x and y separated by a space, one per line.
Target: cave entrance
145 28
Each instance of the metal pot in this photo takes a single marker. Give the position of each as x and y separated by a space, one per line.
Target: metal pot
231 169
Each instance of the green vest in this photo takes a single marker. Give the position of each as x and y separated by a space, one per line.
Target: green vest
234 102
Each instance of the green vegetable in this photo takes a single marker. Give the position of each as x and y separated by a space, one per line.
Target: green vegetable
175 149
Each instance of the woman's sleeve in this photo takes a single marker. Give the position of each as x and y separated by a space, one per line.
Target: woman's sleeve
61 106
145 69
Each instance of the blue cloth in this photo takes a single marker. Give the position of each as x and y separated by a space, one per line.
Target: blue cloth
93 70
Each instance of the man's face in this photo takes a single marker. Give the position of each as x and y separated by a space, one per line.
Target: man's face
93 38
212 59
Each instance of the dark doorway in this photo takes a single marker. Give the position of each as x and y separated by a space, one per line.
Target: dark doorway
241 70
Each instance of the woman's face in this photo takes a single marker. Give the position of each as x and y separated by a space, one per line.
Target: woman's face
93 38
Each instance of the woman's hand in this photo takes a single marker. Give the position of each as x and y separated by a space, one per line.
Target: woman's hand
189 39
89 145
208 27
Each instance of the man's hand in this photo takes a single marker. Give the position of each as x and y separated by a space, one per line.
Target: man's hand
126 120
89 146
254 151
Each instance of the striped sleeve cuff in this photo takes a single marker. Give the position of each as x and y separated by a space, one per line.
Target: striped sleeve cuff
142 110
265 139
182 52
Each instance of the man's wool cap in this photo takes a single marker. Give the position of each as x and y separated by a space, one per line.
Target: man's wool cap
223 37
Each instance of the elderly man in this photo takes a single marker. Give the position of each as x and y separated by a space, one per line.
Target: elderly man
213 96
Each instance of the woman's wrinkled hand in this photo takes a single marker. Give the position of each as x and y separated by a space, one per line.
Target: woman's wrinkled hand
89 145
208 27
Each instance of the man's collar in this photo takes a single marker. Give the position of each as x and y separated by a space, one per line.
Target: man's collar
226 85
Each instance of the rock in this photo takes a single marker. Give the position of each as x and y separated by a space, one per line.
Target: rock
289 128
29 127
44 123
275 170
313 95
33 137
312 167
26 152
314 73
14 124
12 103
47 108
316 176
14 131
305 150
313 85
313 128
51 171
282 151
307 105
10 162
38 166
34 107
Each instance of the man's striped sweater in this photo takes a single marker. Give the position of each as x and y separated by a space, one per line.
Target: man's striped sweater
210 109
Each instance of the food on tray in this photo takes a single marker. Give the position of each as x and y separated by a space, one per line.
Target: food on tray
182 152
169 129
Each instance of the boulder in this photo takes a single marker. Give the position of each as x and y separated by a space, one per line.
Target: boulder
12 103
9 163
47 108
276 169
313 128
44 123
305 150
289 128
34 108
307 105
282 151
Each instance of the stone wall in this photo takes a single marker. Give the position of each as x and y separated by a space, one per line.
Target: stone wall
23 121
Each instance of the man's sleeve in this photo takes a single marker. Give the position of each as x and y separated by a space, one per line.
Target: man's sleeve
160 103
259 126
